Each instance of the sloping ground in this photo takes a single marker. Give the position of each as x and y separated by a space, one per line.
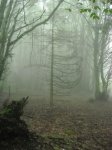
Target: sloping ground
76 126
14 133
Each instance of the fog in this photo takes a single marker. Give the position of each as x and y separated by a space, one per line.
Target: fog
29 72
30 66
56 74
72 38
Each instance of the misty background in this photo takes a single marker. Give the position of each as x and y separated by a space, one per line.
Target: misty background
71 35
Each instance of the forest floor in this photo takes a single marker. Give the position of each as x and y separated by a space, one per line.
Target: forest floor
80 125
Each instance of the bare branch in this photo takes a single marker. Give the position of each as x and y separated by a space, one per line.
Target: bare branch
33 22
38 24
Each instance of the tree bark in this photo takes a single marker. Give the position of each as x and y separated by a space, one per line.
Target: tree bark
96 67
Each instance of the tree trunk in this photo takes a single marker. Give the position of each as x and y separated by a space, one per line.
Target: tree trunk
96 67
52 66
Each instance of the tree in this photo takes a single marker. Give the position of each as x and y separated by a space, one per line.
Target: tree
98 16
102 58
15 23
64 58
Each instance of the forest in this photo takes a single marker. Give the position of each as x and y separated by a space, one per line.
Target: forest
55 74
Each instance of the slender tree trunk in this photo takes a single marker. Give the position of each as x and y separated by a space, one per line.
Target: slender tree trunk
96 67
52 66
104 81
101 64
